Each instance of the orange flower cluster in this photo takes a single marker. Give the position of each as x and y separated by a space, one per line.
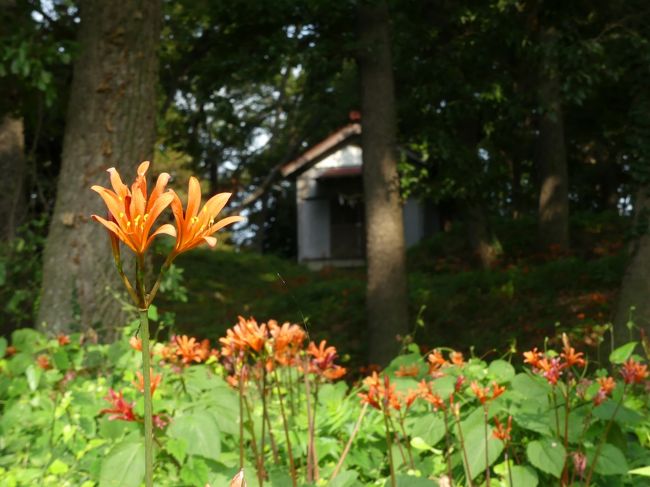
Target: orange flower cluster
246 336
633 372
552 368
287 342
607 386
186 350
502 432
381 394
322 362
485 394
438 361
154 381
132 213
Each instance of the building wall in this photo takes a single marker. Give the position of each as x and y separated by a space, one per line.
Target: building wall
313 208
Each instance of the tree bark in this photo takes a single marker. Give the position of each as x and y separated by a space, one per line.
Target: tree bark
551 159
484 244
110 123
12 167
635 288
386 294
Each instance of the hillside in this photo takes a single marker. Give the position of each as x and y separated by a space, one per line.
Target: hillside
529 296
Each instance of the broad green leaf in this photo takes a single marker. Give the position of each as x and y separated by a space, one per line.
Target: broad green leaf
58 467
177 447
124 465
200 431
522 477
347 478
622 353
3 342
624 414
412 481
152 313
501 371
643 471
546 455
430 428
195 472
475 445
610 461
33 375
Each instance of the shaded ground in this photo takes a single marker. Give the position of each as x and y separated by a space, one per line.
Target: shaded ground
529 296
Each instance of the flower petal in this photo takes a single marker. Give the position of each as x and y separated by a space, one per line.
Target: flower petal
120 188
113 228
193 198
222 223
161 183
167 229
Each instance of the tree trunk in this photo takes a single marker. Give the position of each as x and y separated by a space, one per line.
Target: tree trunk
111 122
386 296
551 154
484 244
12 168
635 288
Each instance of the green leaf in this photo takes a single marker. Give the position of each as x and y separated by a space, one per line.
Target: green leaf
61 360
643 471
419 444
58 467
412 481
475 445
3 343
347 478
33 375
200 431
522 477
622 353
624 414
546 455
610 461
430 428
195 472
177 447
124 465
152 313
501 370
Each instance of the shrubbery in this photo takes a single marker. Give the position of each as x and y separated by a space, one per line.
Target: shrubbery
72 409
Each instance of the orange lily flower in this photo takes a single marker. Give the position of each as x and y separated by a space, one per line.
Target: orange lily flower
132 212
195 227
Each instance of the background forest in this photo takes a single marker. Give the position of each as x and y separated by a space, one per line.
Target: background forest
525 124
529 120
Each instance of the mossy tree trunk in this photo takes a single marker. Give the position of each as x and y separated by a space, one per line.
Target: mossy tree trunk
550 156
386 296
110 122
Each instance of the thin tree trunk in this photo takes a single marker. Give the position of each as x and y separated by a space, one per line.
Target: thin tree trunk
12 168
484 244
111 122
386 296
553 210
635 288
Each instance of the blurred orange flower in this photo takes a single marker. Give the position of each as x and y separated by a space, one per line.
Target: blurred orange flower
287 341
323 361
195 227
132 211
407 371
633 372
153 378
500 432
63 339
244 336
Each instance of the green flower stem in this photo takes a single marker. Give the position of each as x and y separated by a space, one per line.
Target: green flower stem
146 368
604 438
148 406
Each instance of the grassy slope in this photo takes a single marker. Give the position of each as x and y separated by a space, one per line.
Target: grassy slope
529 296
